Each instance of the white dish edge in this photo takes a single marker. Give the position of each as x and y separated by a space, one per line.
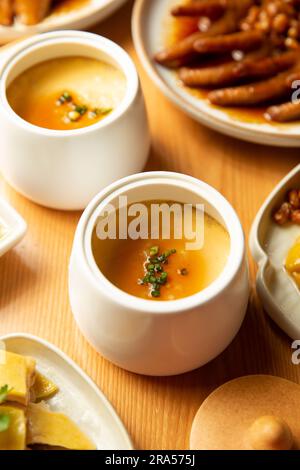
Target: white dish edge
260 256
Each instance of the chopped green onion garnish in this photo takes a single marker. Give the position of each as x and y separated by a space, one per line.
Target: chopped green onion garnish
154 250
155 293
4 418
103 111
80 109
169 253
4 391
155 274
66 96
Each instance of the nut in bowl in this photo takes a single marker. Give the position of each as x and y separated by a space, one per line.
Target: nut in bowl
149 301
80 127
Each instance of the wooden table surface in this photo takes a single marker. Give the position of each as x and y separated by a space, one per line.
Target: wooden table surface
157 412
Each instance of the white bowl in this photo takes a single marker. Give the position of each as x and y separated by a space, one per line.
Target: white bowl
78 397
159 338
269 244
14 227
65 169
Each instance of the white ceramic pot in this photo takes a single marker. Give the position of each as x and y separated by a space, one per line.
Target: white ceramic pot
161 337
65 169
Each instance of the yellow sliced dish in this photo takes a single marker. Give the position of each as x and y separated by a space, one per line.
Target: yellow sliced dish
43 388
292 263
14 437
24 423
54 429
18 373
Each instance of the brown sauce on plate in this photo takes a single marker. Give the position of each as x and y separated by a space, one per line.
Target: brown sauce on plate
178 29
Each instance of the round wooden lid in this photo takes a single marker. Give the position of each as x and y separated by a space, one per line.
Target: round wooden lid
256 411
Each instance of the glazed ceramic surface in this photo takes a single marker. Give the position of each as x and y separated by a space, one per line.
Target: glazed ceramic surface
159 338
13 226
65 169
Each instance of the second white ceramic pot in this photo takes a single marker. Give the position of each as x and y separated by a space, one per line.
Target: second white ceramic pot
157 337
65 169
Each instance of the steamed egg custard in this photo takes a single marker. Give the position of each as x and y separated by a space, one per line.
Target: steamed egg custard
163 269
67 93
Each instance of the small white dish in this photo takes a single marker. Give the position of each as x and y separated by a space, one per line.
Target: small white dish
78 397
78 17
269 244
159 337
65 169
149 31
14 227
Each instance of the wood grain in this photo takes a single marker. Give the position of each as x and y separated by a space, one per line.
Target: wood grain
158 412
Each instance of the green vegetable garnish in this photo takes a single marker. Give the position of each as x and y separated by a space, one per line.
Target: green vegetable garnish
169 253
78 110
4 422
66 95
163 277
106 110
158 268
155 293
4 418
154 250
155 274
100 111
4 391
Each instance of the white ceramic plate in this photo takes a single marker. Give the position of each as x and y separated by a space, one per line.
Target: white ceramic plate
78 396
12 227
269 244
80 17
149 20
